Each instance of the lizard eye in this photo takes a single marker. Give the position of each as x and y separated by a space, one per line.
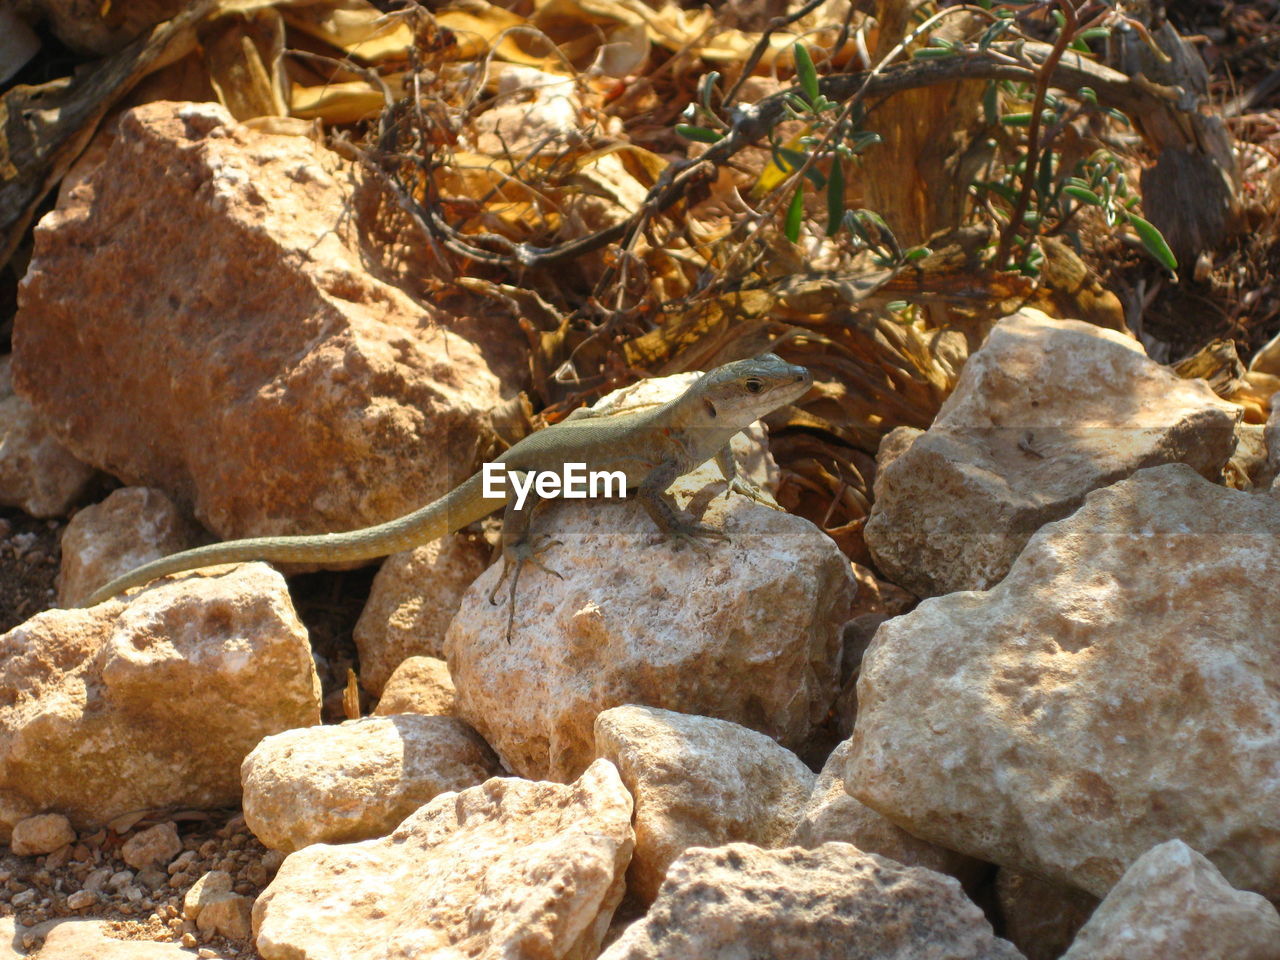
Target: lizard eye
754 385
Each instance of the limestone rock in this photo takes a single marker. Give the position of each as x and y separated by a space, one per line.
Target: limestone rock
831 903
37 473
154 846
698 782
43 833
91 940
227 915
358 779
290 390
1118 688
153 703
1173 904
1038 917
1044 412
508 868
746 631
419 685
128 528
831 815
413 599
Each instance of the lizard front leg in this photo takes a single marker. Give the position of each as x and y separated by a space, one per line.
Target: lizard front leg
739 484
519 548
653 496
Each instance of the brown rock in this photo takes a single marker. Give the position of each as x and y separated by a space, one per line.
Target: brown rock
698 782
43 833
130 527
831 815
288 390
211 886
227 915
1119 687
509 868
153 703
414 597
154 846
1173 904
831 903
419 685
37 473
1038 917
1044 412
356 780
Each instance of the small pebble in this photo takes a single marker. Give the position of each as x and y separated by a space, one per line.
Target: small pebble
23 898
189 940
81 899
206 954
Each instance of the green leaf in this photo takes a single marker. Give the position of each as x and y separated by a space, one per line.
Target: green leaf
807 74
915 253
701 134
835 197
990 104
1083 194
795 213
862 139
1094 33
1153 241
932 53
1088 94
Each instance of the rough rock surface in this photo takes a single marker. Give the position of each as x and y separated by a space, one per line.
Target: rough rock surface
1044 412
43 833
153 703
290 390
413 599
831 815
509 868
747 631
90 940
1173 904
831 903
698 782
356 780
152 847
419 685
37 473
128 528
1118 688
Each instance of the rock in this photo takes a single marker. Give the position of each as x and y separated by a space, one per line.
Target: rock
128 528
698 782
831 903
419 685
92 940
153 703
358 779
211 886
831 815
43 833
1044 412
227 915
747 631
290 391
1040 918
413 599
37 473
1271 436
154 846
1173 904
1118 688
509 868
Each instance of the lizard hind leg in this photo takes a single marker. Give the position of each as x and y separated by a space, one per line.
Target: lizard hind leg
513 560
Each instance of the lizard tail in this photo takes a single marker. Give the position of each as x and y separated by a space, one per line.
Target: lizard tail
461 506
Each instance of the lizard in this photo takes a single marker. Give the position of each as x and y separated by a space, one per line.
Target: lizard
651 446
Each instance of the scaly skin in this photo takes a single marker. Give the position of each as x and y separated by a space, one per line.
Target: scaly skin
653 447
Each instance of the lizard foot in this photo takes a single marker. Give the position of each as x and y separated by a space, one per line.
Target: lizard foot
513 560
694 534
751 491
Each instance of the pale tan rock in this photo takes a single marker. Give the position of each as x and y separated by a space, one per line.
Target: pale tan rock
289 390
413 599
356 780
43 833
154 702
37 473
152 847
128 528
1044 412
211 886
11 939
831 815
831 903
698 782
1271 438
92 940
636 620
1038 917
1173 904
227 915
1118 687
1267 359
509 868
419 685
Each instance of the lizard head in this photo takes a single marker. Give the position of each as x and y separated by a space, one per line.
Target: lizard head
742 392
